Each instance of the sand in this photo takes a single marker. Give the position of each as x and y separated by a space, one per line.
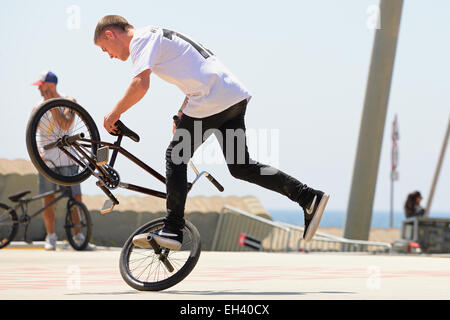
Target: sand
19 166
376 234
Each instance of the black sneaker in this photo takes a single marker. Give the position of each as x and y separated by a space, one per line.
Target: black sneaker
169 238
313 213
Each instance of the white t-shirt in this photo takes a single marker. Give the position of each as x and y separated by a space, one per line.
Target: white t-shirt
209 85
49 131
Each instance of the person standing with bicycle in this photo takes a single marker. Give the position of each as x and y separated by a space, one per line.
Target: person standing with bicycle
215 103
61 122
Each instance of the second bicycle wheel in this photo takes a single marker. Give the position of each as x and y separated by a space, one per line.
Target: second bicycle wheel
8 225
51 121
78 224
146 270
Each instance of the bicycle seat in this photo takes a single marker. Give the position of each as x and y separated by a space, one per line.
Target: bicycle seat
16 197
123 130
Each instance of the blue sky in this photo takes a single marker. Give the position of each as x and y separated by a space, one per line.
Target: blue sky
305 62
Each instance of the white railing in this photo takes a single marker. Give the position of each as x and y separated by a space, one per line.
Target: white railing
281 237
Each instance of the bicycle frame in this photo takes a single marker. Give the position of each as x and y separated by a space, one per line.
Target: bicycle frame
78 141
118 149
23 203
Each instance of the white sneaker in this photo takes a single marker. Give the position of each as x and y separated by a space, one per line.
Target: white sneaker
79 238
50 241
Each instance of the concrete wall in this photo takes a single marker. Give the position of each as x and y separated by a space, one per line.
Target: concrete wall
114 228
111 229
14 183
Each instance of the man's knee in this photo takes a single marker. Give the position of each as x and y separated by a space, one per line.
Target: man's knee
178 153
173 162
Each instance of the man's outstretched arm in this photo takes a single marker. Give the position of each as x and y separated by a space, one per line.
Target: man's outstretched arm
135 92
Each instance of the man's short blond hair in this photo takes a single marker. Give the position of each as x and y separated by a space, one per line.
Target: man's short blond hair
111 21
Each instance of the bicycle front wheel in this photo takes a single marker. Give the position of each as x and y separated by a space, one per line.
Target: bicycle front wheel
78 224
8 225
147 270
53 120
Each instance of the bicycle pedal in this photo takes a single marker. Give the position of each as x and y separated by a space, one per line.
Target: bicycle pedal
102 155
108 206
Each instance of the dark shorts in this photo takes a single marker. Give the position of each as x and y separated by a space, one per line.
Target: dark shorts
45 185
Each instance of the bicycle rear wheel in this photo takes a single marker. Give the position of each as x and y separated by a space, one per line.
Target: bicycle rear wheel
53 120
145 270
8 225
78 224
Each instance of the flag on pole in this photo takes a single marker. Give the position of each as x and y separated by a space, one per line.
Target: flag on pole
395 138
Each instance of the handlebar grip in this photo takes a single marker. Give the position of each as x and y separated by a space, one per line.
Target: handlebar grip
74 138
64 141
52 145
215 182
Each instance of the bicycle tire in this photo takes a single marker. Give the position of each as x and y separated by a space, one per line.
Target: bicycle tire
33 147
178 276
7 234
70 225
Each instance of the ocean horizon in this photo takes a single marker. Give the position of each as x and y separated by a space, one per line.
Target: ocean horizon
336 218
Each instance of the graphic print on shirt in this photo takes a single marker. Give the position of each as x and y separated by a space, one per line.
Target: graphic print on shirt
198 46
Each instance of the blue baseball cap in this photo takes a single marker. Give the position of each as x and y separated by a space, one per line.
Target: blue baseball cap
46 76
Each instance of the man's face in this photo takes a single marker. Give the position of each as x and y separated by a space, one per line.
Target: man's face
46 88
111 43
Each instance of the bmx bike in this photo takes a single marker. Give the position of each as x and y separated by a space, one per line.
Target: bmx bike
78 225
153 269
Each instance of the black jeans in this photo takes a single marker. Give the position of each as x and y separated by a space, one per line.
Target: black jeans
229 128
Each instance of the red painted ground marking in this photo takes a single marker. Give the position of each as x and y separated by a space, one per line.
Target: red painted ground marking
50 277
269 273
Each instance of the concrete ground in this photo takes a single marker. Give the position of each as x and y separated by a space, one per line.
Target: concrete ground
33 273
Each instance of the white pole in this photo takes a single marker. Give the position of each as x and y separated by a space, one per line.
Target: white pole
365 171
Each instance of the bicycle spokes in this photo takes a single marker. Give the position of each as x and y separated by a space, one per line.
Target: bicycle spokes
158 263
61 137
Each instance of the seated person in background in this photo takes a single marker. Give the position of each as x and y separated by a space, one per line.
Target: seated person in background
412 205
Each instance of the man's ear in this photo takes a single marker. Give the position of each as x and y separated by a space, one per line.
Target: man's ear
109 34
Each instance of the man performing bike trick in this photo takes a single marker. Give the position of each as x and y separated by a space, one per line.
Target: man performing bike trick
215 103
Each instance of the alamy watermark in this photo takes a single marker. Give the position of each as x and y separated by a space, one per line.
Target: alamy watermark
373 282
232 146
73 281
373 21
73 21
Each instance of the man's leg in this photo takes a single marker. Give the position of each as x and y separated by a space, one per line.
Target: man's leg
178 154
188 136
49 215
242 167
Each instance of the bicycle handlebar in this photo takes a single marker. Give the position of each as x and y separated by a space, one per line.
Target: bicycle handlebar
64 141
215 182
72 139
